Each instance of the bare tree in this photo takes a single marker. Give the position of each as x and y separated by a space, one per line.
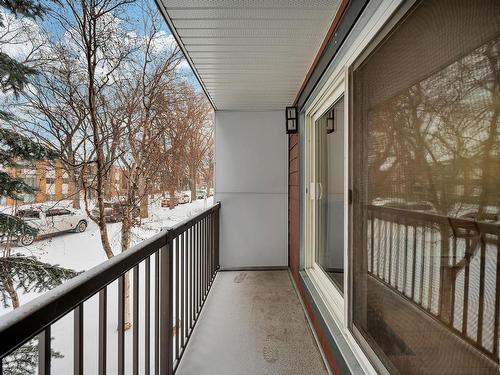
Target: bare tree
56 114
144 97
207 169
199 137
93 27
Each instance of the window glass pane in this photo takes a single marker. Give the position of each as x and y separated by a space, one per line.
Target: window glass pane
329 134
426 182
53 212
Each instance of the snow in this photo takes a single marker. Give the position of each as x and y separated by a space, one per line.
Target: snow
82 251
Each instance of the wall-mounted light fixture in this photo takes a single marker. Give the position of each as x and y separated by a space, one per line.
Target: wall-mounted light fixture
291 120
330 122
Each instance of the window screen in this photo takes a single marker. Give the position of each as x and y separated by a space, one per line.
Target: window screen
426 184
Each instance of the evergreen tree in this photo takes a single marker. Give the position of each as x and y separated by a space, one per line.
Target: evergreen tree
14 75
25 359
29 275
20 273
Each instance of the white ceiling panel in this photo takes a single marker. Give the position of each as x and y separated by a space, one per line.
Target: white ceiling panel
250 54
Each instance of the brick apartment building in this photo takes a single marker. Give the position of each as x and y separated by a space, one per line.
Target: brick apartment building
52 182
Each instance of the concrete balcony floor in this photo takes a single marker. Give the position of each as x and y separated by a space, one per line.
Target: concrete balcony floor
252 323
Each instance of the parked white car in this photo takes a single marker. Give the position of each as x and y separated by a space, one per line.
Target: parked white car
51 221
183 198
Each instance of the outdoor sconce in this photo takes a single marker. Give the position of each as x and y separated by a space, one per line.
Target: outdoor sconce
330 122
291 120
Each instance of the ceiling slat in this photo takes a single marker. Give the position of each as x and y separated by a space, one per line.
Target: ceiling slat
251 54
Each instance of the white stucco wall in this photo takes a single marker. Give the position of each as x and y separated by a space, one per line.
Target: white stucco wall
251 183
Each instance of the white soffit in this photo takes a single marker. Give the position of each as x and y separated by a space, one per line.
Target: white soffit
250 54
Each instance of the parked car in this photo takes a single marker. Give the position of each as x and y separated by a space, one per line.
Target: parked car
169 202
113 212
51 221
183 198
405 205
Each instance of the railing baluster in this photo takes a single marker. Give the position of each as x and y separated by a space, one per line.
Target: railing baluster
205 255
202 265
78 340
372 244
102 330
217 234
121 322
211 248
195 270
482 270
207 249
181 302
166 309
422 267
431 272
198 272
209 242
466 289
454 281
445 302
389 276
397 250
135 323
192 272
177 308
207 237
187 310
414 262
497 302
380 266
405 268
157 313
186 284
44 353
147 315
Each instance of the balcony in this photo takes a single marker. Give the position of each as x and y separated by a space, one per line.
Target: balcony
248 322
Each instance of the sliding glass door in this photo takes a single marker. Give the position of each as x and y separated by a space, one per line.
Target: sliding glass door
426 182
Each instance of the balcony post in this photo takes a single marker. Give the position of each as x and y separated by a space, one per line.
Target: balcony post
447 280
216 236
166 307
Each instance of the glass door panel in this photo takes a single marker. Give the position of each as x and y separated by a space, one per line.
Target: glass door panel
329 172
426 208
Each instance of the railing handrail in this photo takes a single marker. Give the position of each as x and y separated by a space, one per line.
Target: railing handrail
25 322
484 226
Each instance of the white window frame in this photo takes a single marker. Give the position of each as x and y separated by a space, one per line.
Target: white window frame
329 292
336 303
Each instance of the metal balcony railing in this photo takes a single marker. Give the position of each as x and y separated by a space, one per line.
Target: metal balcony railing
185 261
448 267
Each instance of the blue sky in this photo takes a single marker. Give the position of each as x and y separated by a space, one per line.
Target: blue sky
133 13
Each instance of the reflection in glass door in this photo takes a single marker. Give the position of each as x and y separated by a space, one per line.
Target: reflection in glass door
329 171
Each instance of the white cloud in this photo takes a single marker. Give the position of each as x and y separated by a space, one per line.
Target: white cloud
163 41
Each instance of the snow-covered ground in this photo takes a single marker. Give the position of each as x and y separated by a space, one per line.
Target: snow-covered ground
82 251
